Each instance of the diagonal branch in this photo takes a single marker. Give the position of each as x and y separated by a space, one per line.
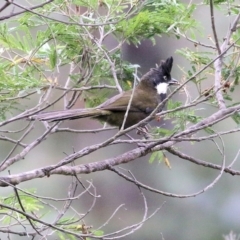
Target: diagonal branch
201 162
214 27
8 2
219 62
5 6
131 155
23 209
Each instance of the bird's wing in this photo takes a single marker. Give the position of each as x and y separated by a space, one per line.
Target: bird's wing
118 103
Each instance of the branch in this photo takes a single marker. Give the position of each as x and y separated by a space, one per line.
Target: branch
36 219
123 158
219 62
133 180
9 2
26 150
23 209
5 6
200 162
52 19
214 28
60 169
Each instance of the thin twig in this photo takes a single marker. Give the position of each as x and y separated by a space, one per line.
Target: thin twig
23 209
9 2
214 28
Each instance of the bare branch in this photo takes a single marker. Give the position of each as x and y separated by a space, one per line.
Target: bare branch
9 2
214 28
202 163
23 209
5 6
219 62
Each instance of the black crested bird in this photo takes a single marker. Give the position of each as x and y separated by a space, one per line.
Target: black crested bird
151 90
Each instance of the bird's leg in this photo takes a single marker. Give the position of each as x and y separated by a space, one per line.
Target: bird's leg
143 130
158 118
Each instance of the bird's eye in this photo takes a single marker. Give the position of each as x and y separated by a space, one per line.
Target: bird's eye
165 78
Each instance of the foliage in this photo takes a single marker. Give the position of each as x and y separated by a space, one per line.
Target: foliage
34 58
29 203
155 19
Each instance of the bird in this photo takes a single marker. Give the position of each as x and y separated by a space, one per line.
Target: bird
145 97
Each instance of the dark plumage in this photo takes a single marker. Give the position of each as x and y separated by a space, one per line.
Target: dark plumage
145 99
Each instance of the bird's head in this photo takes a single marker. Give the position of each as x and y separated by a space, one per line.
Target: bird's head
161 76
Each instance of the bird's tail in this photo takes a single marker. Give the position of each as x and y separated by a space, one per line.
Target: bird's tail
69 114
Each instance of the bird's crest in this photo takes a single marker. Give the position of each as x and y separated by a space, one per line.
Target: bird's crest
166 66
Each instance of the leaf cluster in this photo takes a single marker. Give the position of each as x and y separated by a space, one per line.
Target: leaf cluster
156 18
29 203
34 47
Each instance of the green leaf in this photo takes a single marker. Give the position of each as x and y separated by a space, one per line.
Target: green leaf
236 118
97 232
53 57
154 19
158 155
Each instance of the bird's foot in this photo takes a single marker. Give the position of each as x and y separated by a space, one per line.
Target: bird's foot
144 132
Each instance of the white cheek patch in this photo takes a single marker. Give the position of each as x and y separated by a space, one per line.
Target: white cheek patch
162 88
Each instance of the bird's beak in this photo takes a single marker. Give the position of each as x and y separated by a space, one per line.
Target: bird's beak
173 82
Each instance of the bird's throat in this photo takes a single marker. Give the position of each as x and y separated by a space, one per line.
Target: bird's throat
162 88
